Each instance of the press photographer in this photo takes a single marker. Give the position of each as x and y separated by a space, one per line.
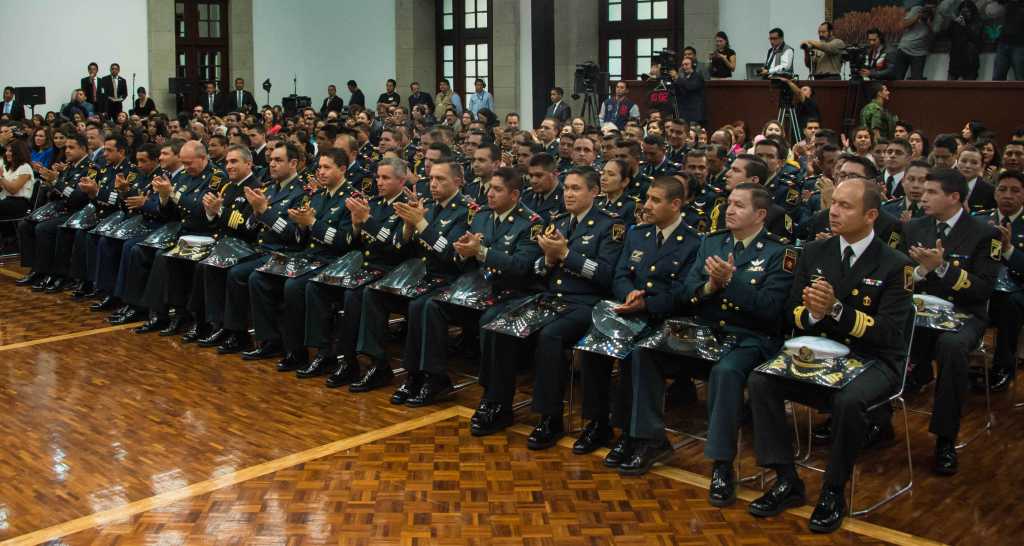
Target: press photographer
780 56
873 61
824 56
919 27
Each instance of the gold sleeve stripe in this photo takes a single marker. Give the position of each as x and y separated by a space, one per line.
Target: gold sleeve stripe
962 282
861 322
798 312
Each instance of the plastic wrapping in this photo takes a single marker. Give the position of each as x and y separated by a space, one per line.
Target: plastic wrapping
1005 282
528 316
816 360
49 211
134 226
192 247
84 218
163 237
107 225
686 337
228 252
349 271
611 334
472 290
937 314
289 265
409 279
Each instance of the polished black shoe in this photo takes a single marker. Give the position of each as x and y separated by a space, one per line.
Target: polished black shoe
412 384
481 409
999 381
620 452
118 312
216 338
292 362
783 495
880 436
494 418
645 455
174 325
322 364
154 324
130 316
595 435
29 280
269 349
80 292
945 458
822 434
547 433
722 490
106 304
234 343
197 331
41 283
93 293
345 373
829 512
435 388
376 377
55 285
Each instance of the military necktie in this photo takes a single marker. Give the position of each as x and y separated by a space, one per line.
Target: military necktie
847 259
891 184
1006 221
737 248
572 227
661 238
941 230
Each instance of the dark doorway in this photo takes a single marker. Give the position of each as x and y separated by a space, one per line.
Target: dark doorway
201 47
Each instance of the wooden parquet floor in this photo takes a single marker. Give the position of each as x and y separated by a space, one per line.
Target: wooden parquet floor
28 316
440 485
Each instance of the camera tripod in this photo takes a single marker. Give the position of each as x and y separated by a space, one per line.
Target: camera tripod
787 117
589 110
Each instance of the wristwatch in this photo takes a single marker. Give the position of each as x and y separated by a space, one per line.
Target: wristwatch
837 310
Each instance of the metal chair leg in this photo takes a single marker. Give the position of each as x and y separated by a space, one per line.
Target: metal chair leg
988 423
902 489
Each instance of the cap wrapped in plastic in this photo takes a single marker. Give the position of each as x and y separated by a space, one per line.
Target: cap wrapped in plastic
611 334
472 290
528 316
192 247
289 265
48 211
817 360
228 252
1005 282
686 337
85 218
936 313
409 279
107 225
135 226
163 237
349 271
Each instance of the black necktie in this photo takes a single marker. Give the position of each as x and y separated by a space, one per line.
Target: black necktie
847 259
661 238
737 248
891 183
572 227
1006 221
940 230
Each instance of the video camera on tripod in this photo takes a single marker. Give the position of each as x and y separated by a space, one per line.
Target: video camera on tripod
663 97
590 83
666 60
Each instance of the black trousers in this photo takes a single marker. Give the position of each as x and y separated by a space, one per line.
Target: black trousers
435 319
237 309
501 354
773 437
63 250
598 399
12 208
108 263
373 324
169 284
83 255
1007 312
38 241
279 308
207 307
139 269
124 266
950 350
322 304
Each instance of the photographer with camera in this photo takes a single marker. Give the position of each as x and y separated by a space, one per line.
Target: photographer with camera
690 92
919 27
874 61
824 56
780 56
618 109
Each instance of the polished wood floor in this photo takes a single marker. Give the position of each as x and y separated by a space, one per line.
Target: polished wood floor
101 421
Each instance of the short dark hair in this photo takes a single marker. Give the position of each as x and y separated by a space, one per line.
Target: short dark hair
654 140
755 167
151 150
780 148
921 163
511 177
778 31
493 150
690 48
828 25
544 160
760 199
589 174
339 157
352 83
1016 175
92 64
558 90
672 186
951 181
947 141
291 151
902 143
453 167
631 145
870 170
446 150
81 141
119 142
828 134
392 82
877 32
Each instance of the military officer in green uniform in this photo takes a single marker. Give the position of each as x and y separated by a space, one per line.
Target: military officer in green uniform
750 168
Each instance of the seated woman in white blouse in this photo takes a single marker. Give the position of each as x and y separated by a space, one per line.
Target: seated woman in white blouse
16 184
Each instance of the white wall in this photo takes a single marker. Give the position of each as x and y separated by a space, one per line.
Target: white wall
323 42
50 42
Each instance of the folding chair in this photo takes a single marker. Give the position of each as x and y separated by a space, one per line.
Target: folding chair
33 204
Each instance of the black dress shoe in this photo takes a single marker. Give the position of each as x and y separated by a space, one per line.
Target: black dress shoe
174 325
822 434
547 433
41 283
269 349
880 436
29 280
412 384
345 373
55 285
645 455
322 364
199 330
945 458
376 377
292 362
829 512
595 435
131 316
495 418
234 343
620 452
80 291
722 491
216 338
481 409
106 304
784 494
93 292
435 388
154 324
999 381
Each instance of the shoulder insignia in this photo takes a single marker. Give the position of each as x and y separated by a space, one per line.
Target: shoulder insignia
792 197
789 223
789 260
997 249
535 230
894 240
718 232
702 226
908 278
618 232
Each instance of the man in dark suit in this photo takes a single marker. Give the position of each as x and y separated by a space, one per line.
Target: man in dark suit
690 93
241 100
958 259
980 194
856 289
11 108
417 97
558 109
113 91
211 100
332 103
1007 305
356 94
90 85
908 205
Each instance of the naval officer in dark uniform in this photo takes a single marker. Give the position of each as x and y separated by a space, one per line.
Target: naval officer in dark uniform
855 289
655 260
580 249
958 259
739 284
